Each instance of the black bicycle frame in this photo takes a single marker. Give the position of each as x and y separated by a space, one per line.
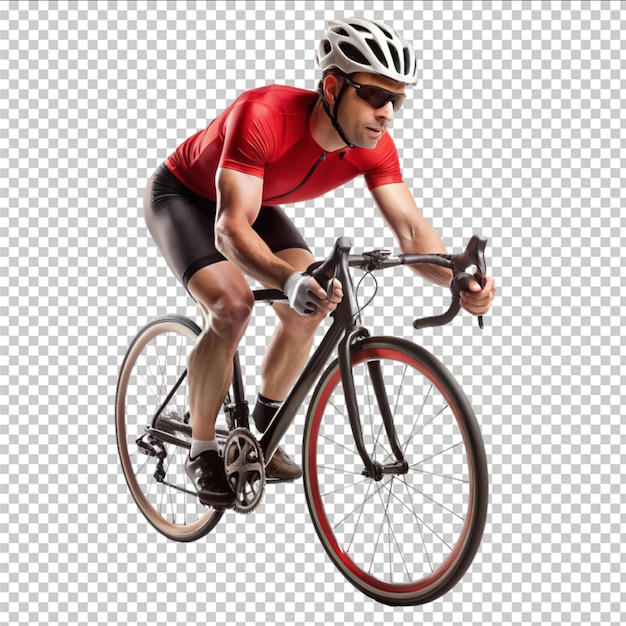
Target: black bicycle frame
341 336
344 319
343 333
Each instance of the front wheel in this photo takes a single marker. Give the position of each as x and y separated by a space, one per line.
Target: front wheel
407 537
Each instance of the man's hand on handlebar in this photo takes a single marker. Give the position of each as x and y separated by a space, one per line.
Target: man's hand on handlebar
478 301
307 297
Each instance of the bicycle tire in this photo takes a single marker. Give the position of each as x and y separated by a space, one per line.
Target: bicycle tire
436 541
154 361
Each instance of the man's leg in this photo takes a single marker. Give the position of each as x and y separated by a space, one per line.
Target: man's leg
285 357
287 352
290 346
225 298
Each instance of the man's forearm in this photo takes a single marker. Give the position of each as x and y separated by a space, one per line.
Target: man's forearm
427 241
241 245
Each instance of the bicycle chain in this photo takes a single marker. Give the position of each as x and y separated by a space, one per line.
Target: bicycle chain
179 488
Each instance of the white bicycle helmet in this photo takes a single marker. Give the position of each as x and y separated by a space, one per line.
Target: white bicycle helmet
360 45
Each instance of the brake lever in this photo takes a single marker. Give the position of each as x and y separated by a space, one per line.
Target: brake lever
481 269
474 255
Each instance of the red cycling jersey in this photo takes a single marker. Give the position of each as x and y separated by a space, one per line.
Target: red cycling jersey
265 132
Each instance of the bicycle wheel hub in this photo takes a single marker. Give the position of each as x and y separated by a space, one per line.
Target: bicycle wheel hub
389 469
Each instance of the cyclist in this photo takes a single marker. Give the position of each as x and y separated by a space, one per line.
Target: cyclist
212 209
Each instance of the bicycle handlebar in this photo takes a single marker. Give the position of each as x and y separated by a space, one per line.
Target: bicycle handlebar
472 257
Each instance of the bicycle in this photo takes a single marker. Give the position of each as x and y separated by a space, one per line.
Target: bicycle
395 473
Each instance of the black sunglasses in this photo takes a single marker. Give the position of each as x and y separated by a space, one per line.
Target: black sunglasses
377 97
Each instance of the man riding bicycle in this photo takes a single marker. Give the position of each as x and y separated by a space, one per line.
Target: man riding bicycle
212 209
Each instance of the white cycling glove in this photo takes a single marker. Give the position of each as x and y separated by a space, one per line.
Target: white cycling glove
297 288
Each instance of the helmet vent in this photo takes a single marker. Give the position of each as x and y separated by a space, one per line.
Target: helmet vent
376 49
353 53
407 59
395 57
387 33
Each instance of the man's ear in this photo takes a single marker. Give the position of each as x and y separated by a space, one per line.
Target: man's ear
331 88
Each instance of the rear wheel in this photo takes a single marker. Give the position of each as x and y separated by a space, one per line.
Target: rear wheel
152 380
401 538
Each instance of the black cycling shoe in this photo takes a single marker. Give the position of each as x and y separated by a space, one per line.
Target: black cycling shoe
208 476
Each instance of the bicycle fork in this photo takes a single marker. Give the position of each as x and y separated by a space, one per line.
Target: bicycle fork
373 469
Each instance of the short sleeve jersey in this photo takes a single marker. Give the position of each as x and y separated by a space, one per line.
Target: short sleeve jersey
265 133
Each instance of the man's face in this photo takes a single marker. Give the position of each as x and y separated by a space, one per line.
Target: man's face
360 120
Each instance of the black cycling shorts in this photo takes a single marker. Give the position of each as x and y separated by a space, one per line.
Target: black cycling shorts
182 225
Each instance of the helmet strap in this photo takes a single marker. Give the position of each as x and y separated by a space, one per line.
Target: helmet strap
333 115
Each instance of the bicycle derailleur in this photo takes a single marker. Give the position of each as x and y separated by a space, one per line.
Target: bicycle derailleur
245 469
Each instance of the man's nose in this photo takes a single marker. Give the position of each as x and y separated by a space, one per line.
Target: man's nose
385 112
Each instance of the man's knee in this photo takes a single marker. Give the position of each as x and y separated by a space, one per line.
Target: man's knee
225 298
229 315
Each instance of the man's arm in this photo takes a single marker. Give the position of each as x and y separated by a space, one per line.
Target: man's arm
413 232
239 198
416 235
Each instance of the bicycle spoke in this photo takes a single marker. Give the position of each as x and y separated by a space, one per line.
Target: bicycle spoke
339 445
152 379
423 523
362 507
344 487
343 472
419 414
155 378
420 528
171 492
142 466
439 504
430 421
429 458
446 476
400 387
357 508
380 530
393 536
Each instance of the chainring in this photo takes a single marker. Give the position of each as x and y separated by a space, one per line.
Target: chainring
245 469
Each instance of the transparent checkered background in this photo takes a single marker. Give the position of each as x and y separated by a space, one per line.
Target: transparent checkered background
514 131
